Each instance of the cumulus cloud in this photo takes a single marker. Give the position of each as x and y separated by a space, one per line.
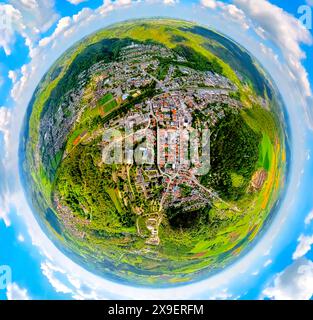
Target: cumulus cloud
14 292
236 14
294 283
304 246
228 11
27 18
10 24
62 25
51 271
309 217
212 4
13 75
4 195
5 116
5 130
38 16
89 287
28 71
269 53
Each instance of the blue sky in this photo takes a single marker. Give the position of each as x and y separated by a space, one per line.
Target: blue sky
280 264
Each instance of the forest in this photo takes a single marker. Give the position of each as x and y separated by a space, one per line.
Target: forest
234 150
197 61
89 190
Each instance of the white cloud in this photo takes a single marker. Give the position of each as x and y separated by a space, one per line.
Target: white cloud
30 4
76 2
170 2
11 22
5 116
27 18
14 292
27 72
67 27
51 271
20 238
38 16
228 11
294 283
212 4
309 218
232 12
62 25
4 196
269 53
267 263
13 75
304 246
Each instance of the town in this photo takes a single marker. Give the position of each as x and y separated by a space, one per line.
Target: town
162 106
161 127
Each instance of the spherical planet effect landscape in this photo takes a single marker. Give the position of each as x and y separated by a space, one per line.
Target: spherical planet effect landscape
154 152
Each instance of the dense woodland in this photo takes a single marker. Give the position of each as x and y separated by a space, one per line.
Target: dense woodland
197 61
84 187
234 149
